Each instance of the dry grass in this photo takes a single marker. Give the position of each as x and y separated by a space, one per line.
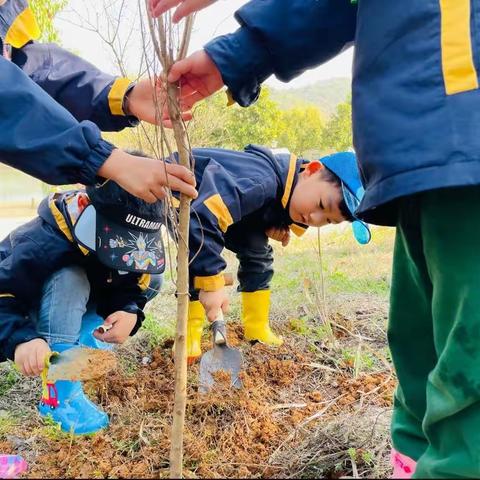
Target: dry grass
318 406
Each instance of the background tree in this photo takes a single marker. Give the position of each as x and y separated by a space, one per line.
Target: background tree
262 123
337 134
45 12
208 127
301 129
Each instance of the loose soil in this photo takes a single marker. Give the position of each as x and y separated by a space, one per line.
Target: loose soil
293 418
82 364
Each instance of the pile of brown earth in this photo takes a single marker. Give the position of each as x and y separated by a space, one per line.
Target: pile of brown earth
289 419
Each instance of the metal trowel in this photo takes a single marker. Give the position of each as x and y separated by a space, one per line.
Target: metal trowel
221 358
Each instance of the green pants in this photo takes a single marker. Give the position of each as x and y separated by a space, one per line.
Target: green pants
434 332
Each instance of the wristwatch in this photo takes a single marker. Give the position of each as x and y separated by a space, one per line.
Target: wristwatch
125 108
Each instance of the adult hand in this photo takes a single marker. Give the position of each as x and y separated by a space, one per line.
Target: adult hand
30 356
279 234
147 102
157 7
146 178
214 301
198 77
122 324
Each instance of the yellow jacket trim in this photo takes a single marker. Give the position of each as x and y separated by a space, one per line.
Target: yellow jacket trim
459 72
175 202
230 100
297 229
62 225
23 29
7 295
217 206
209 284
116 95
289 182
144 281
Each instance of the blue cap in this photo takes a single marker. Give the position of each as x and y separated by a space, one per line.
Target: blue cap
344 166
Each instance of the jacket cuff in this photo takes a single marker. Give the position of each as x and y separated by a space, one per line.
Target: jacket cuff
116 95
19 336
211 283
243 62
120 88
97 157
140 319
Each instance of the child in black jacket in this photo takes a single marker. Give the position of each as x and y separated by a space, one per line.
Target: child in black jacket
96 247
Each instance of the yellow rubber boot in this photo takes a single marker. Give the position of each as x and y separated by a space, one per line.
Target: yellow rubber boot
255 310
195 324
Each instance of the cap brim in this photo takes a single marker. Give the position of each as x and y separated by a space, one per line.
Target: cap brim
128 249
117 247
361 232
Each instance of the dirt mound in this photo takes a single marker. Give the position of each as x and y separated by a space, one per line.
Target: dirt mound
228 433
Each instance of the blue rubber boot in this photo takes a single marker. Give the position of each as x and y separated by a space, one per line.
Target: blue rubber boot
90 322
65 402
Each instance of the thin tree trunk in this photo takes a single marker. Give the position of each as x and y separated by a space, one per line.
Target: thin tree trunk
176 448
164 48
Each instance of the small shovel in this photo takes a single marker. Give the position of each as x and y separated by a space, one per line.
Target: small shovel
221 358
79 363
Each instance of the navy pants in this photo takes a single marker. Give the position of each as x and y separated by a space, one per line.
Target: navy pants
255 256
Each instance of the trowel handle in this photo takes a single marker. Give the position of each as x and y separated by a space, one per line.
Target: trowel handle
219 330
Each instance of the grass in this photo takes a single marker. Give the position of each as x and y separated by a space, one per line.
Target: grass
157 331
9 376
51 430
332 313
7 423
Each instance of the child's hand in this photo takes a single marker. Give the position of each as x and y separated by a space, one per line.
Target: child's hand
122 325
213 302
157 7
199 78
146 178
279 234
146 101
30 356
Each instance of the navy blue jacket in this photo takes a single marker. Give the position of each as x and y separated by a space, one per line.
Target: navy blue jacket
33 252
53 105
416 102
252 187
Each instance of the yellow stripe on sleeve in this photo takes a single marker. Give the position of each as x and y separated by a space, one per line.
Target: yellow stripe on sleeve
23 29
217 206
459 72
116 95
209 284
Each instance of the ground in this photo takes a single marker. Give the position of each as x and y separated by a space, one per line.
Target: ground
318 406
